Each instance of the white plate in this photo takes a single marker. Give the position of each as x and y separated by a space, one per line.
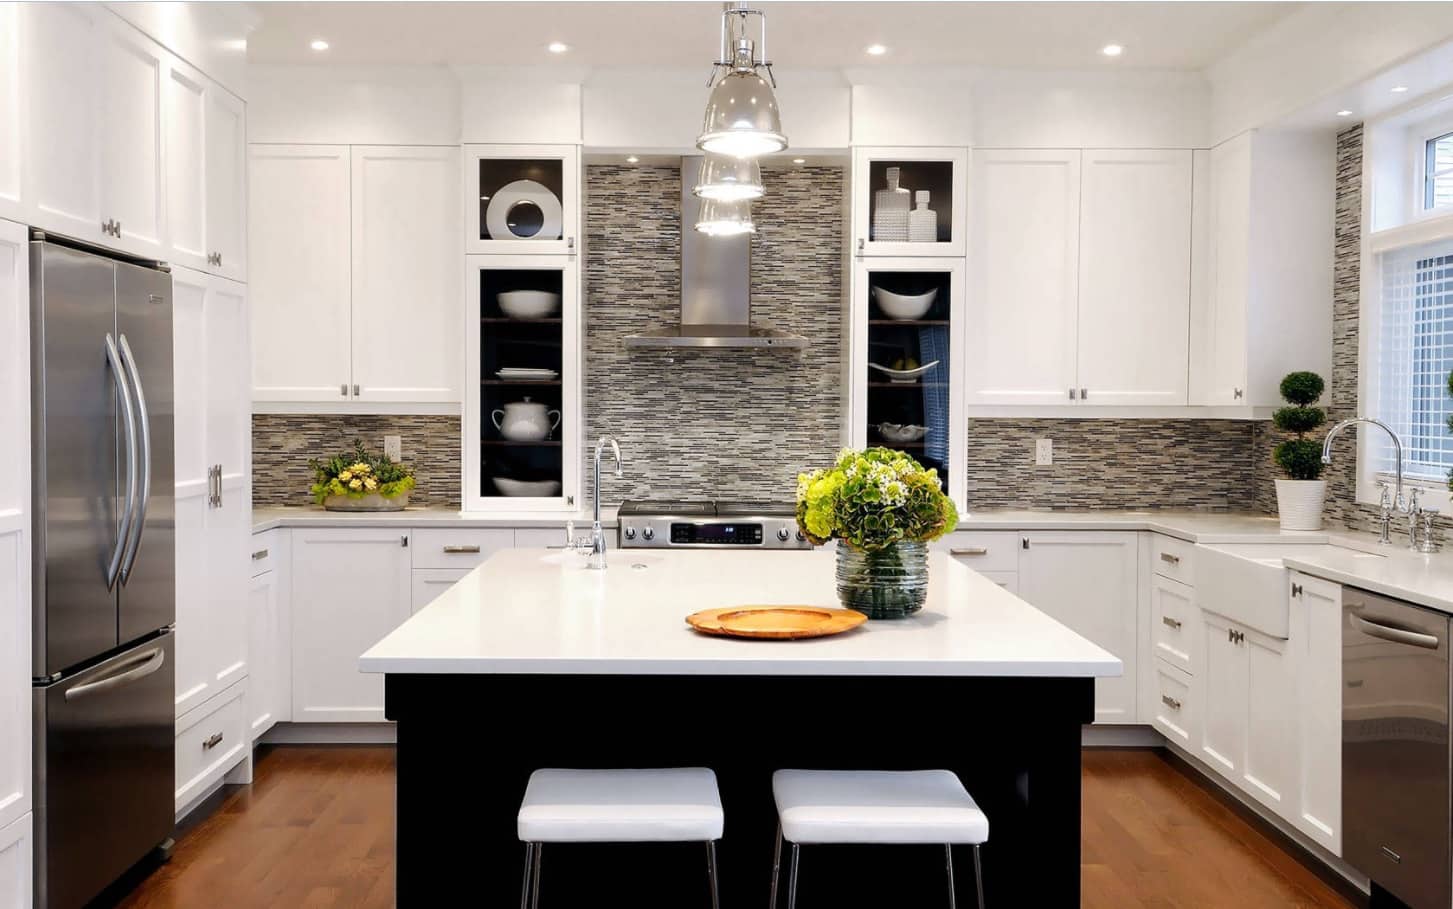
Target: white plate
497 216
905 376
538 374
525 488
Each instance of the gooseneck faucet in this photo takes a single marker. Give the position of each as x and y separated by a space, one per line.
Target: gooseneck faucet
1398 503
597 535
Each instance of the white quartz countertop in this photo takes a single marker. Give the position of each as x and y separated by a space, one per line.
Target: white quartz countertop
532 611
270 517
1425 579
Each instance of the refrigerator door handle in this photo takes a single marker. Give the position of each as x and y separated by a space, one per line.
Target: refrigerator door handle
123 388
144 499
141 667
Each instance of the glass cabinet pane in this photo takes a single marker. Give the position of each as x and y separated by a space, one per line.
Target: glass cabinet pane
910 201
521 198
521 367
909 352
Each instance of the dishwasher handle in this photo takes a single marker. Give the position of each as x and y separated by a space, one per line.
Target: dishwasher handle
1393 633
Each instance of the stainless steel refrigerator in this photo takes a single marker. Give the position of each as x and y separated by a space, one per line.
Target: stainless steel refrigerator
104 573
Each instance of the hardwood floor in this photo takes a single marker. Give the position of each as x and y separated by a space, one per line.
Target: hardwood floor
316 830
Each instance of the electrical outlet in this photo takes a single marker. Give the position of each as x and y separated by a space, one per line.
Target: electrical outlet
1043 452
393 447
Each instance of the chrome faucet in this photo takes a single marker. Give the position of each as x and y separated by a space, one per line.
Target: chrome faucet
597 535
1398 504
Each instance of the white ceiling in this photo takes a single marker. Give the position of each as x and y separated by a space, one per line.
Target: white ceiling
1157 35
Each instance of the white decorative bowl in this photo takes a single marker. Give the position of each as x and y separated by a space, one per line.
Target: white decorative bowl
529 304
524 488
895 432
904 306
905 376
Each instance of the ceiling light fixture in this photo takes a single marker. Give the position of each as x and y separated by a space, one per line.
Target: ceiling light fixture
728 179
1399 89
557 47
1112 50
718 218
877 50
742 119
318 44
799 160
1344 113
632 159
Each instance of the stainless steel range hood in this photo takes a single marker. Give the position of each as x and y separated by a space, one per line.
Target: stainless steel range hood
716 293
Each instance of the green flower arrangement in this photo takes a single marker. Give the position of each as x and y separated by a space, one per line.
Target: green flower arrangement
872 499
359 473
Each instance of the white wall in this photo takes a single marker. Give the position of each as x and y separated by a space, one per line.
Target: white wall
353 105
513 104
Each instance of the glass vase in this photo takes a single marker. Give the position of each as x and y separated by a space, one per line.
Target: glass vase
888 583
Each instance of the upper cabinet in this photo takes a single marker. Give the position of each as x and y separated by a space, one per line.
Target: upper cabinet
355 264
226 162
522 199
130 73
11 129
909 201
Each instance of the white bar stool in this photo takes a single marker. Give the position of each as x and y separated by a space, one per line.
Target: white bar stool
875 806
675 805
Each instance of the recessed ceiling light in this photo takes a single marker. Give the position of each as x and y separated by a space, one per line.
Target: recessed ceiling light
877 50
1112 50
1399 89
799 160
319 44
557 47
237 44
1344 113
632 159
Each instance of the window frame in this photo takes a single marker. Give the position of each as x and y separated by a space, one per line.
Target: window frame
1419 137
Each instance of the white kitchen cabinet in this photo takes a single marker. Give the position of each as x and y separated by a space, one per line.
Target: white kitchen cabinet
1270 766
15 553
226 176
1023 271
1174 623
210 741
350 587
265 656
213 483
405 275
1134 276
1223 681
12 130
941 172
1089 580
17 870
1172 705
428 583
521 199
299 239
1316 637
131 71
184 95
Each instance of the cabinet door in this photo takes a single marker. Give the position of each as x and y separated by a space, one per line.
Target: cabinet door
521 199
1135 276
15 524
428 583
195 677
61 75
1023 277
1219 339
1316 639
229 520
1089 581
1270 769
264 653
350 588
131 72
185 96
883 218
1223 681
1174 623
11 127
299 236
406 344
16 868
226 167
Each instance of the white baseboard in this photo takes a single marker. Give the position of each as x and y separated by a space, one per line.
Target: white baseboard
331 734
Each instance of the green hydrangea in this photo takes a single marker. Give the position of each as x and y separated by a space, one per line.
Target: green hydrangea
873 498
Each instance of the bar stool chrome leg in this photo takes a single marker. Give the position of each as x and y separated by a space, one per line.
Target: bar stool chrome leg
948 857
535 878
978 876
792 879
776 865
525 887
711 873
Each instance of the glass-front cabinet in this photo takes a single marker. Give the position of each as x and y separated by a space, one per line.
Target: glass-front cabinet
909 201
522 199
522 401
907 361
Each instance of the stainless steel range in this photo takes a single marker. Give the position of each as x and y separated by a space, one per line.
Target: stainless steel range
705 525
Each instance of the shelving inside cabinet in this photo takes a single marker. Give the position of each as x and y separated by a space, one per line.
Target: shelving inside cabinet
909 201
521 199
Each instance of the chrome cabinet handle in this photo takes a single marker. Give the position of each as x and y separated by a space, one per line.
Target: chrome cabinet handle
123 533
212 741
1084 393
1170 702
1172 559
138 668
1393 633
1296 590
143 414
343 389
861 245
404 541
461 548
355 389
969 551
219 485
1072 394
1238 393
1170 622
259 555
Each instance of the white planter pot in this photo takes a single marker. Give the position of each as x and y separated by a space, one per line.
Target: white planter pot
1299 503
371 502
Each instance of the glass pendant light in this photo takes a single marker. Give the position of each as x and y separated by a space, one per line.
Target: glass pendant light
729 179
725 219
742 118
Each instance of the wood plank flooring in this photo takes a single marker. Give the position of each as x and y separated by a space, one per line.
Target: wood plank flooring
316 830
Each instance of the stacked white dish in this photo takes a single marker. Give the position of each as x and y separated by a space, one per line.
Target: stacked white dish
522 374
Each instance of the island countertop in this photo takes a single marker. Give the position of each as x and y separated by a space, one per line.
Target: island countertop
533 611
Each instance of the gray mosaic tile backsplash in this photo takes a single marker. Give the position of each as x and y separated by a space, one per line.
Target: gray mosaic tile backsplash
283 443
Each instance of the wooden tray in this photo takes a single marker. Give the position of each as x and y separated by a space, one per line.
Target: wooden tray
775 622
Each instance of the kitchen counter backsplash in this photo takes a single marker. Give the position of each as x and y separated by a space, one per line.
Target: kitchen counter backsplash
283 443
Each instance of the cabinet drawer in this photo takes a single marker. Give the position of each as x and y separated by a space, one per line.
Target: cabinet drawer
263 550
1174 622
464 547
210 739
983 550
1172 558
554 537
1172 708
1009 580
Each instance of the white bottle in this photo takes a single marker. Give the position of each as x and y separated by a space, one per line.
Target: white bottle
890 211
922 221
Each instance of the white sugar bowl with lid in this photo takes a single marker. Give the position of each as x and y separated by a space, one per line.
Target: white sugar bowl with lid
525 421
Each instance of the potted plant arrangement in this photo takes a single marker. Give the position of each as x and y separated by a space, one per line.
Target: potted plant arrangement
361 481
1301 495
883 508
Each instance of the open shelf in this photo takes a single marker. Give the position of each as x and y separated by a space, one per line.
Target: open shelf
908 385
506 320
521 382
908 322
544 443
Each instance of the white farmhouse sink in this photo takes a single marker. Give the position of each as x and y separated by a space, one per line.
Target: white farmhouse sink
1248 582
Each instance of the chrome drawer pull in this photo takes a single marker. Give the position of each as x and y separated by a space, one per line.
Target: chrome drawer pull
1172 559
1170 702
213 741
1170 622
969 550
461 549
260 554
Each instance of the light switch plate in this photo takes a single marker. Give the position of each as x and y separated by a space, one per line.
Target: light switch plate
1043 452
393 447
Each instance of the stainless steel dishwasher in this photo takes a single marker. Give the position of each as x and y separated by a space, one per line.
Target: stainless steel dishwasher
1396 806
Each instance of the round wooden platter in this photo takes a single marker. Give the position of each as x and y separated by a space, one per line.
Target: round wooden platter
775 622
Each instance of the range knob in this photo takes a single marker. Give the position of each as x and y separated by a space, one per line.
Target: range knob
801 537
784 534
630 533
648 534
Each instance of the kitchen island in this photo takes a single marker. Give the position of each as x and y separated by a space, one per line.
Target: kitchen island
533 660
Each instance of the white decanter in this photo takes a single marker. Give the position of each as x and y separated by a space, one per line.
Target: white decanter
922 221
890 211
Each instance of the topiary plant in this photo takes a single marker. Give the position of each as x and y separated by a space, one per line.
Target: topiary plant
1300 458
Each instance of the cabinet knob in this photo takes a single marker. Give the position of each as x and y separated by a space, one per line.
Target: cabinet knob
212 741
404 541
259 555
1296 590
1238 393
1170 702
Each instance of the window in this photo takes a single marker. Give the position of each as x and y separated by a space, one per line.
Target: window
1415 357
1438 172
